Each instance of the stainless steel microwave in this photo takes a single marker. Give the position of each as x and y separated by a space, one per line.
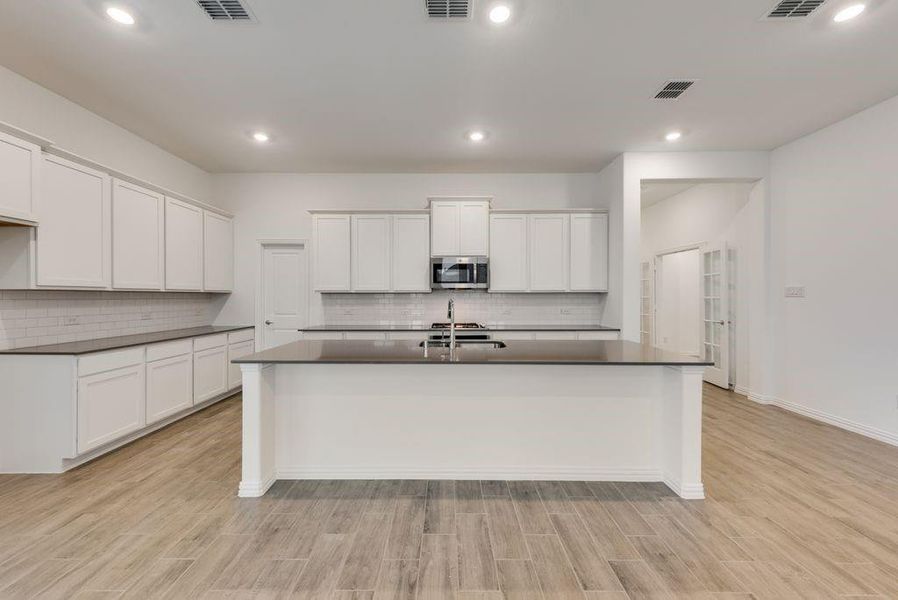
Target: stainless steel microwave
459 273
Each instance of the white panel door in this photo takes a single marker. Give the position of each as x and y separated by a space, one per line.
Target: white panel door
19 176
332 243
236 351
138 221
285 293
589 252
715 314
444 228
169 386
508 253
183 246
411 255
371 253
218 252
474 228
110 405
549 252
210 373
74 235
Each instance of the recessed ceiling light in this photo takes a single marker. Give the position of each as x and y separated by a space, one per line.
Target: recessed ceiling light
261 137
120 15
476 136
673 136
849 12
500 13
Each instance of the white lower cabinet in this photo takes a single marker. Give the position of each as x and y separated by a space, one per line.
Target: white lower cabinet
169 386
210 373
110 405
236 351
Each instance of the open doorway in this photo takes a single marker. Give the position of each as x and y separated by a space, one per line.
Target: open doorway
700 240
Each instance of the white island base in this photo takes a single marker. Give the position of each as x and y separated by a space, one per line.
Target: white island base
472 421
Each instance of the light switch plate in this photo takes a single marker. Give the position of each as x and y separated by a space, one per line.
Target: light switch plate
796 291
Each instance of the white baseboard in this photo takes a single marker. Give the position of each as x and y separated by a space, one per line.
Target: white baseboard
741 390
513 473
689 491
760 398
255 489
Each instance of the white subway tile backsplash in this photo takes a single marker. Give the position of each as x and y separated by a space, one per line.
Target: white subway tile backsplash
31 318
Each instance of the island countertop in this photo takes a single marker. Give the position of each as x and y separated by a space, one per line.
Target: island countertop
517 352
486 327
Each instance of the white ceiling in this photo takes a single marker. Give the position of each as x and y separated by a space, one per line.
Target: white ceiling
364 85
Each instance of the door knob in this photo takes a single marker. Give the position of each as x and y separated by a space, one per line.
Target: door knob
268 322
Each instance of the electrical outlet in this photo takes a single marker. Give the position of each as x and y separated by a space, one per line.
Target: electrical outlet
68 321
796 291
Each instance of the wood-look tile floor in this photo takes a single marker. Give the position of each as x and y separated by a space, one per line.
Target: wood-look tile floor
795 509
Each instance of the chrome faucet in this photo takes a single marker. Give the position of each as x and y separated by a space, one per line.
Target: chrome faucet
451 317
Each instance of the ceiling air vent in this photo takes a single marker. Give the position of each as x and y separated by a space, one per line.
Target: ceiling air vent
226 10
792 9
673 89
448 9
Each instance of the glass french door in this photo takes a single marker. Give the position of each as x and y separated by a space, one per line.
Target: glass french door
715 305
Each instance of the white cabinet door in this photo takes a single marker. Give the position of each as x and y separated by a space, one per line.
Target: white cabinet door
19 176
508 253
169 386
110 405
549 252
589 253
332 243
474 228
444 228
183 246
138 219
411 257
218 252
210 373
371 253
74 234
236 351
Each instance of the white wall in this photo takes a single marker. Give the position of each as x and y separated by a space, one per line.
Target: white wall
834 230
720 212
268 206
26 105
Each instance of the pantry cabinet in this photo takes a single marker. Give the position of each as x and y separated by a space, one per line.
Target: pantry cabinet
331 242
218 252
410 260
19 178
138 221
370 256
549 252
508 253
183 246
73 239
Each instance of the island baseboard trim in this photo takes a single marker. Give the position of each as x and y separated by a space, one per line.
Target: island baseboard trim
255 489
688 491
513 473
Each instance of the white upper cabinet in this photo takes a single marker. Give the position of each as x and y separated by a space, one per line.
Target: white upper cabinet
411 261
371 240
74 235
19 176
549 252
459 227
508 253
138 220
331 242
183 246
218 252
589 252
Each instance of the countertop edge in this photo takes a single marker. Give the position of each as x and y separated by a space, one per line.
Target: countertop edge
239 361
176 334
423 329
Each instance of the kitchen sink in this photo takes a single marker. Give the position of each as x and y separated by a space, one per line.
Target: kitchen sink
462 343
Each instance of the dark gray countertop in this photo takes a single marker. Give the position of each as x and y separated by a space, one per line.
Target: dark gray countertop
488 327
124 341
517 352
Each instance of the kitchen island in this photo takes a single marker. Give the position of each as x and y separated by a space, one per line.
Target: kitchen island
565 410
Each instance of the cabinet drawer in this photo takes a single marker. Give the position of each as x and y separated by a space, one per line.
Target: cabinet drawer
106 361
243 335
169 349
209 341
